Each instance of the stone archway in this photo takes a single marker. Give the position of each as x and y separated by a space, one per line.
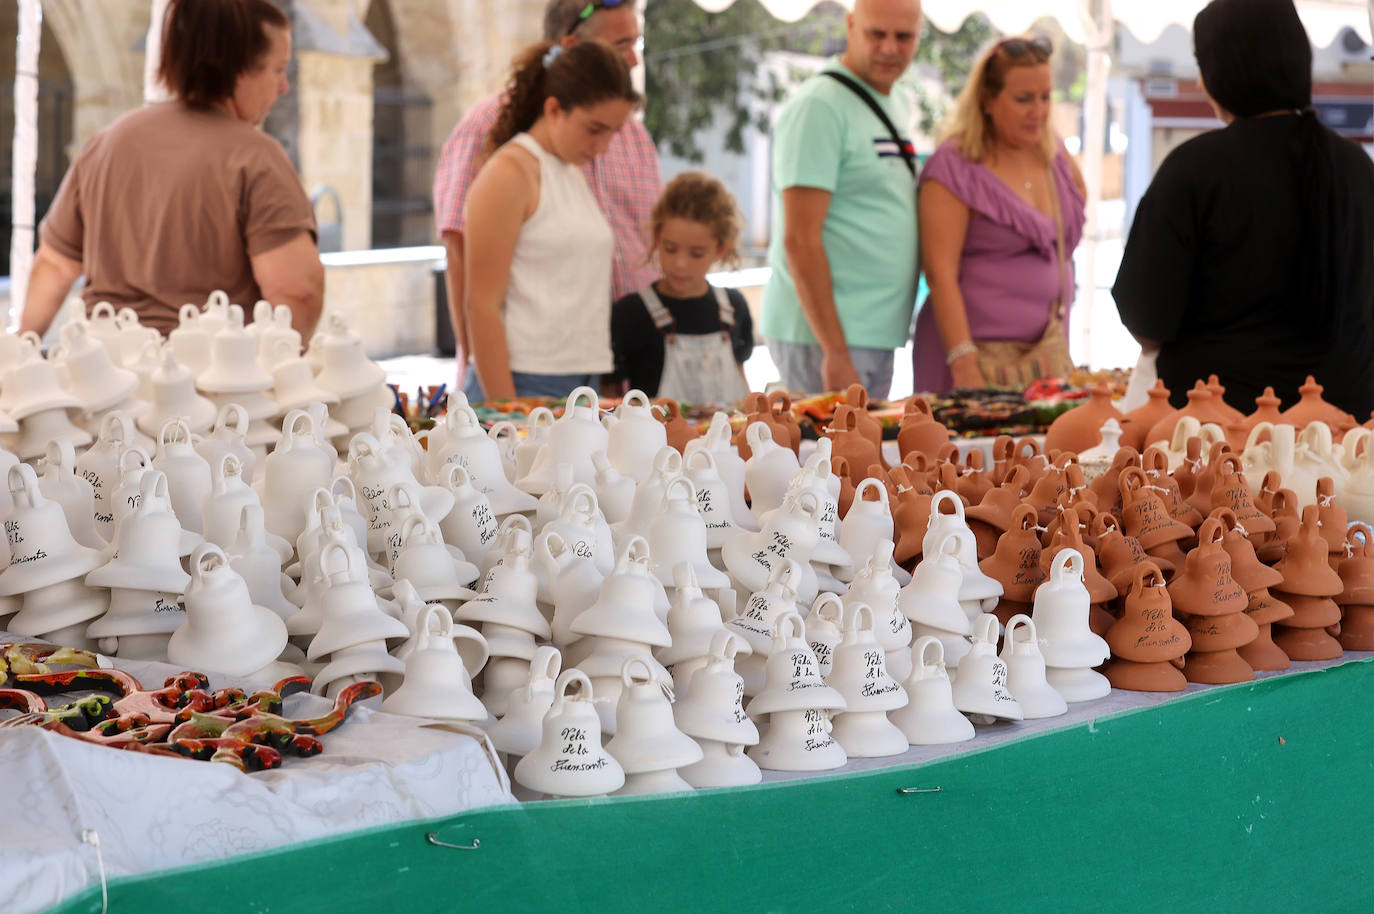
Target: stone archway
100 40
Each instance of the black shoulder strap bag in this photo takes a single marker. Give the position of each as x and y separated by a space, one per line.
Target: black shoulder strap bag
877 109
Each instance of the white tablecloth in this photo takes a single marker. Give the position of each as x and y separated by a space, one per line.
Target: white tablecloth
153 813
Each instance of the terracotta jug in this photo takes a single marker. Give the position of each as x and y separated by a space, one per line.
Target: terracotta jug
1137 423
991 517
1357 598
849 441
1312 408
920 432
857 397
1080 428
1015 563
679 430
780 405
1148 644
1200 407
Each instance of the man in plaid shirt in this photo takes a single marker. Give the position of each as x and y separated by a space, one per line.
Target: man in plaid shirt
625 179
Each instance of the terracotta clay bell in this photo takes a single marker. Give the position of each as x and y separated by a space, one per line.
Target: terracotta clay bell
1148 643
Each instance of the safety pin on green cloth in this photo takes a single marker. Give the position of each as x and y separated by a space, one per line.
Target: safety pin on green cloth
433 838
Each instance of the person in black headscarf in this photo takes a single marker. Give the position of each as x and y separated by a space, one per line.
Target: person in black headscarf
1251 255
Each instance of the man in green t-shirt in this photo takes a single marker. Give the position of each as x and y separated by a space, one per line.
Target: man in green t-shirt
843 251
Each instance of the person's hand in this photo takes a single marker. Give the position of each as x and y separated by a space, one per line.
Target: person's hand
967 373
837 372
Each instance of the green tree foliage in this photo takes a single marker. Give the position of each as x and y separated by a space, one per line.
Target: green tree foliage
699 64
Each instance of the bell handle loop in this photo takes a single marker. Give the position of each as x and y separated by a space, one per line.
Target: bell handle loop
1104 523
944 497
1316 435
627 671
1146 574
239 416
807 502
103 310
786 627
757 434
515 522
636 397
1210 531
60 456
1359 535
1129 481
578 394
290 428
1253 438
546 664
1019 621
951 543
112 420
636 552
398 496
1227 517
829 601
187 314
408 529
443 630
566 680
725 645
1024 517
217 300
703 457
22 479
921 652
581 499
206 558
985 629
1066 566
786 574
137 453
1229 463
681 482
345 482
718 433
503 429
540 417
177 424
328 565
236 318
456 476
153 485
321 499
1155 460
854 613
871 484
667 462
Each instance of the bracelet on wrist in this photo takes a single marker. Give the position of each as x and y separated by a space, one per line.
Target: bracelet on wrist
959 351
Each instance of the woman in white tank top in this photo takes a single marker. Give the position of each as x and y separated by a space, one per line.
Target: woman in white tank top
537 252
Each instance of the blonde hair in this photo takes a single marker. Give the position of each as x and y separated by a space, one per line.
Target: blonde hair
698 197
969 124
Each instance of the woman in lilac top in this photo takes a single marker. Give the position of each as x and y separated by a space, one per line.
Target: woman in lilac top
988 233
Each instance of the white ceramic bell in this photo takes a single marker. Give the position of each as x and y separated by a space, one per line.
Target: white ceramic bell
647 743
1026 671
667 466
977 592
507 598
729 465
769 469
713 496
351 616
930 717
932 597
397 442
694 621
32 386
398 506
375 469
472 647
517 733
537 426
91 371
214 315
188 473
345 496
1069 646
291 474
234 367
860 675
876 587
42 549
146 544
712 713
314 581
101 324
980 688
277 339
471 525
573 439
133 463
757 621
868 523
817 477
345 368
222 509
327 429
139 612
174 394
625 607
436 683
100 466
635 437
581 525
506 534
572 578
551 502
133 336
790 532
259 564
570 760
507 437
60 613
75 494
825 629
793 680
224 631
190 340
614 492
678 534
429 566
362 662
229 435
44 426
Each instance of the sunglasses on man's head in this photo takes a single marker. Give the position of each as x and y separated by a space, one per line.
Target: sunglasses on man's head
1017 48
590 9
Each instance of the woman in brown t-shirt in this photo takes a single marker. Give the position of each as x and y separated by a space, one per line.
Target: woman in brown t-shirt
174 200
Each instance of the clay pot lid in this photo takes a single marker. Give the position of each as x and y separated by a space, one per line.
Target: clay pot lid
1000 503
1206 588
1138 422
1357 569
1266 408
1312 408
1147 632
1015 563
1219 401
1080 428
1304 566
1247 570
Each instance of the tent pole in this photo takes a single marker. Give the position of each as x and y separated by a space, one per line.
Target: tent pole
1100 27
24 159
